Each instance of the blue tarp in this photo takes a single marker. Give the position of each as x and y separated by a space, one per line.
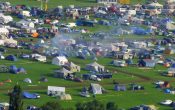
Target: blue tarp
30 95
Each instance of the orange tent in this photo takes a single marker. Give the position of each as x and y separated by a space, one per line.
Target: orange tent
8 81
35 35
1 83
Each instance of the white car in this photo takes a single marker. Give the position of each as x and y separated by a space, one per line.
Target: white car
166 102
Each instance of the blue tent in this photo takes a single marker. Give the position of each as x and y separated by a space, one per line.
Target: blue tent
30 95
120 87
165 20
21 70
11 58
13 69
167 91
173 65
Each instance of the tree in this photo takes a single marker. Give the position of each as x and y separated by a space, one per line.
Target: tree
16 102
51 106
111 106
93 105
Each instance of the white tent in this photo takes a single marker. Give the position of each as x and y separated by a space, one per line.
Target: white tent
4 106
4 31
95 67
41 41
5 19
156 5
60 60
96 88
1 42
170 26
27 80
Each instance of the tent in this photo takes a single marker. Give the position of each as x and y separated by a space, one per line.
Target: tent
13 69
72 67
64 96
27 80
35 35
30 95
170 26
167 91
96 88
156 5
4 106
62 73
95 67
60 60
1 83
147 63
173 65
11 58
8 81
119 87
21 70
44 79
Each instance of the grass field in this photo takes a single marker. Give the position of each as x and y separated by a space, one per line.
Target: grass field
124 99
55 3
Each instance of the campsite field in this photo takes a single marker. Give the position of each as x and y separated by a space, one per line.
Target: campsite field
127 99
126 75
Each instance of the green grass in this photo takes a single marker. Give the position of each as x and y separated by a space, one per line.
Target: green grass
124 99
55 3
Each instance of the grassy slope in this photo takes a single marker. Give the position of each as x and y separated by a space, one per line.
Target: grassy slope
55 3
124 99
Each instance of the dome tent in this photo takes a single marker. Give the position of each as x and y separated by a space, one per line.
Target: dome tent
28 80
13 69
43 79
21 70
